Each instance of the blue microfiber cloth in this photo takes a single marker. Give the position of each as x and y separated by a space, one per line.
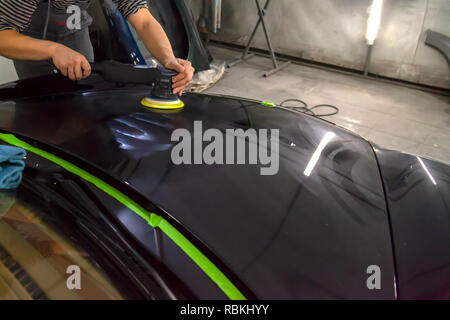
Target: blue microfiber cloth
11 166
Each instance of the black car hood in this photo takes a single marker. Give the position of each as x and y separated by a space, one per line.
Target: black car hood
286 236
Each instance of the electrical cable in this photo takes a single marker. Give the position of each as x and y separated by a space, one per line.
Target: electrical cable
44 34
303 108
330 106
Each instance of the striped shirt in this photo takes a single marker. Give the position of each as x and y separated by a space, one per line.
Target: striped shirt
16 14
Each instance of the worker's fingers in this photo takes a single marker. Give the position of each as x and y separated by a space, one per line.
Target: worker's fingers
179 91
175 65
77 70
63 71
187 75
183 83
71 72
86 68
180 78
180 88
71 63
184 77
188 70
183 62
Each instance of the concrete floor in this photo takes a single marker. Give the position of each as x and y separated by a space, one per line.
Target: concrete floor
392 116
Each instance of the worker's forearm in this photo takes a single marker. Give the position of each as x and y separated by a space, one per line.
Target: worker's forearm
156 42
153 36
14 45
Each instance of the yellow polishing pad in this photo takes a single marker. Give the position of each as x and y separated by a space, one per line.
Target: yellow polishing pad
162 104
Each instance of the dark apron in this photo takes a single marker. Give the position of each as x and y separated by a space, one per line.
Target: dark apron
57 31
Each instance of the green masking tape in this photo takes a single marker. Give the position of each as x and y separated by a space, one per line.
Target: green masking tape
268 104
152 219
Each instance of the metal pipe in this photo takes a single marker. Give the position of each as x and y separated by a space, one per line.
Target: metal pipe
246 55
266 33
213 16
219 14
252 37
368 60
202 20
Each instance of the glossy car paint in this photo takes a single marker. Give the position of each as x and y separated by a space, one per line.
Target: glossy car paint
418 195
71 207
286 236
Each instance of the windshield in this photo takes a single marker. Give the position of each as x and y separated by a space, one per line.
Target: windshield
39 261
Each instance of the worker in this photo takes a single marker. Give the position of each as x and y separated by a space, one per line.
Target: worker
24 24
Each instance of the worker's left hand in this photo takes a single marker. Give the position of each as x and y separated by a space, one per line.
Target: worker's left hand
185 74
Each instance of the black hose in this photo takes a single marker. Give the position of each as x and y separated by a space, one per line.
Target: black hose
302 107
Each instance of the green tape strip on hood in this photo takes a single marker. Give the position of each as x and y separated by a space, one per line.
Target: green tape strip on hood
152 219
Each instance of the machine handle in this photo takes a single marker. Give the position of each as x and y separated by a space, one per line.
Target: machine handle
114 71
159 78
127 73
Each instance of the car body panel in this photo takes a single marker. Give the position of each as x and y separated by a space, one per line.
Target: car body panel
287 236
418 195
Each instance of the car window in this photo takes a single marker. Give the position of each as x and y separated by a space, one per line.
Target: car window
39 261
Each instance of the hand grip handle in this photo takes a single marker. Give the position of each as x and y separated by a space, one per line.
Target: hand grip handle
127 73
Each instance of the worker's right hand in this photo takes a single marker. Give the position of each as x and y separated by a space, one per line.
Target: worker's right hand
71 63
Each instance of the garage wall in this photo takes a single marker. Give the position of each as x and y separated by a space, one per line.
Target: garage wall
333 32
401 52
7 71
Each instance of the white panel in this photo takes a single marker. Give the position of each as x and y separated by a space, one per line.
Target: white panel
7 71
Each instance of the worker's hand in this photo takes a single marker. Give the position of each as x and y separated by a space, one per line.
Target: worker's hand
185 74
71 63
